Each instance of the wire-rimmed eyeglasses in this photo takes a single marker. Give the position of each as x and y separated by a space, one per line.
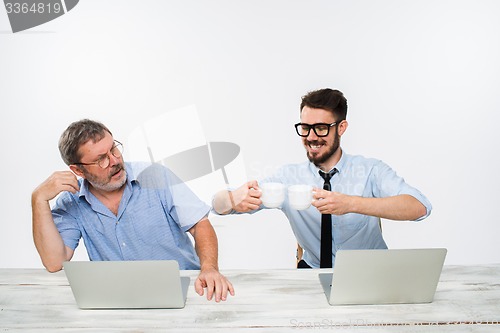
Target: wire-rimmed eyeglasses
103 162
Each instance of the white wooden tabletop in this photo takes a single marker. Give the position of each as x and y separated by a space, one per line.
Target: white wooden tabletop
467 300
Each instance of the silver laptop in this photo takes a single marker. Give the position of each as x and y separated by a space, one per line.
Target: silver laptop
127 284
383 276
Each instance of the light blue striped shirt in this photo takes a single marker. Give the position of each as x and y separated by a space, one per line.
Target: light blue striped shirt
155 212
357 176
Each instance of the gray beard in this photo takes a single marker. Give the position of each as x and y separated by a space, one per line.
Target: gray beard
106 186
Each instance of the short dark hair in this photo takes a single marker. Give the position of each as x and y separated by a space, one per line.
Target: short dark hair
77 134
327 99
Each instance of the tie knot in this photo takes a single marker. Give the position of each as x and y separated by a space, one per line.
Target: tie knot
327 176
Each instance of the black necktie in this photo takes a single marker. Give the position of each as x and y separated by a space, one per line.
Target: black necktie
326 226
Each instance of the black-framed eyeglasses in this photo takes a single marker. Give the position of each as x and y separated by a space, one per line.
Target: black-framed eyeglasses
320 129
103 162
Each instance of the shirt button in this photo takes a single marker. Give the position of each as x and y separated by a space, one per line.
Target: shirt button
123 244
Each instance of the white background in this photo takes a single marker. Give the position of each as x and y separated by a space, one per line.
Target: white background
422 79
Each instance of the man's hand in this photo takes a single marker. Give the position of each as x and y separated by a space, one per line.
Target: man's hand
216 284
58 182
331 202
207 249
244 199
247 197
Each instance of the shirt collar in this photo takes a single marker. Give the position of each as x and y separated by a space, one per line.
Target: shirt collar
340 166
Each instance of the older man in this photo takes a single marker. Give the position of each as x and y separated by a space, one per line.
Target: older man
123 211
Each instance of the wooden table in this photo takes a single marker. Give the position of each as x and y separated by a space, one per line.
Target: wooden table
467 300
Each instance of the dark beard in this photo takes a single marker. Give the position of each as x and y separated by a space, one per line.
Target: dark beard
323 158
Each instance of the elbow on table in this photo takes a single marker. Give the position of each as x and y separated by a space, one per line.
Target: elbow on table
53 262
53 267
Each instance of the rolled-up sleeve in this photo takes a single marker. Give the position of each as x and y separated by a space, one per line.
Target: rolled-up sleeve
386 182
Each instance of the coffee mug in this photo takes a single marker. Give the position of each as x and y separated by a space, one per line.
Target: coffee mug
273 194
300 196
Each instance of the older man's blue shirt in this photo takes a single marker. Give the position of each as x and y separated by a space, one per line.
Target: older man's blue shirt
155 212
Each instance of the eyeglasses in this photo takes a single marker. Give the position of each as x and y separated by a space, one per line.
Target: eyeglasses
103 162
320 129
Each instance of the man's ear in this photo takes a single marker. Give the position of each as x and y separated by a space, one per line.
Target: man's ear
343 127
76 170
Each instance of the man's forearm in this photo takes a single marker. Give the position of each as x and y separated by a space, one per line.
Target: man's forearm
46 237
401 207
206 245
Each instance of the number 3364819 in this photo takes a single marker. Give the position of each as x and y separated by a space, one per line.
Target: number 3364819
35 8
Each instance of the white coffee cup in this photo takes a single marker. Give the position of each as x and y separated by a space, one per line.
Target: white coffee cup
300 196
273 194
